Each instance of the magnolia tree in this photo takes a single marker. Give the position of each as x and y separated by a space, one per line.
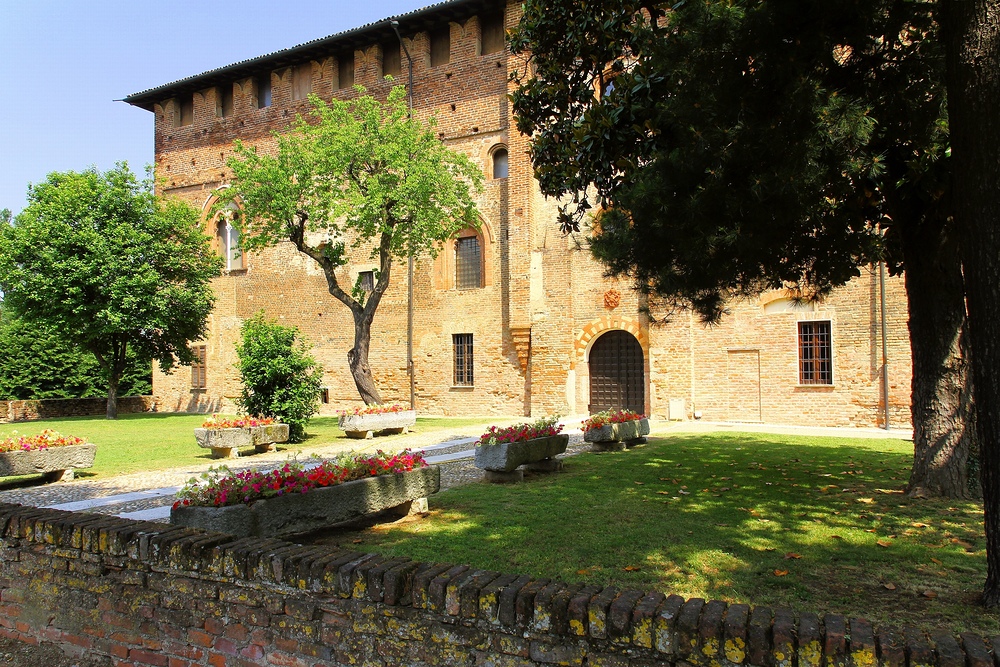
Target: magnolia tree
118 271
353 173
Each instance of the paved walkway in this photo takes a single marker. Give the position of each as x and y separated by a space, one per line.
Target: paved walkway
148 496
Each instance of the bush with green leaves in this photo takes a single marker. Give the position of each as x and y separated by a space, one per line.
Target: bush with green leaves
280 377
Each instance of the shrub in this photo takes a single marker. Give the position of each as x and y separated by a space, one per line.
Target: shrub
541 428
280 377
220 486
612 416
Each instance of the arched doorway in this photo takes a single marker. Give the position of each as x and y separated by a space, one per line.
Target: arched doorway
617 373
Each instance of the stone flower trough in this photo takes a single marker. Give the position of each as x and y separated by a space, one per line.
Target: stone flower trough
56 463
226 442
366 426
616 437
503 461
319 508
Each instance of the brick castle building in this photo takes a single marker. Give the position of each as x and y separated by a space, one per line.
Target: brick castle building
513 318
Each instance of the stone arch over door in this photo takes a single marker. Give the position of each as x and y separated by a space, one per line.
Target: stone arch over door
617 370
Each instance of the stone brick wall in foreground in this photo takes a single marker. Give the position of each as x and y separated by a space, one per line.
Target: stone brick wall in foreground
19 411
149 594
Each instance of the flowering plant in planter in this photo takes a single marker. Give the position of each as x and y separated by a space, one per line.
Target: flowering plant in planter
542 428
44 440
612 416
238 422
220 487
374 409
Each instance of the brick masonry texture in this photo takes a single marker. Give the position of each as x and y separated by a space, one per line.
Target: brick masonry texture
47 408
149 594
544 302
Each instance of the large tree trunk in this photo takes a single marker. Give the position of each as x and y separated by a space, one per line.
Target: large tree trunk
357 359
971 30
941 398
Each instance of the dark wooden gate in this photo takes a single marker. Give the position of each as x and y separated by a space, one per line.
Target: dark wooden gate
617 373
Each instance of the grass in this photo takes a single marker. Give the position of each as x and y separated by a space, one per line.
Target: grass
815 524
142 442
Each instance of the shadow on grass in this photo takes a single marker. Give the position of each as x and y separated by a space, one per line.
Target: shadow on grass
816 524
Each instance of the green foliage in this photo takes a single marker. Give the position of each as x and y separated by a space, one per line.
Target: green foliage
280 377
111 266
37 362
739 146
355 174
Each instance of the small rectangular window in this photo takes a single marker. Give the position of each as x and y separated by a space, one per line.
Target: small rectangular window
815 353
263 85
492 34
324 396
366 281
440 46
301 81
186 111
199 379
392 62
462 344
468 263
224 97
345 70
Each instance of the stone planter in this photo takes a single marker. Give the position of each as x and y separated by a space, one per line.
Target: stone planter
56 463
226 442
616 437
319 508
366 426
502 461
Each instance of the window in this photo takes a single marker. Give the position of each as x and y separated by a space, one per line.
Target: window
199 379
324 395
263 86
224 101
185 111
301 81
500 163
228 239
366 281
462 344
468 263
440 46
815 353
492 35
392 63
345 70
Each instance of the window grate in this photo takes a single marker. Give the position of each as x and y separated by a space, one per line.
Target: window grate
468 263
815 353
462 344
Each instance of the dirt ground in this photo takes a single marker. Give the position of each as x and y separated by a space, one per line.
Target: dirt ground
16 654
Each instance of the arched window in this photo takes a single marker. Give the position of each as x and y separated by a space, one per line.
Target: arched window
500 163
227 236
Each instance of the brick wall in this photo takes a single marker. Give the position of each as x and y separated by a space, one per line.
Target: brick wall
149 594
543 301
48 408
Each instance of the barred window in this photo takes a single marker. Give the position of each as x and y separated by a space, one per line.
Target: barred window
468 263
463 359
199 369
815 353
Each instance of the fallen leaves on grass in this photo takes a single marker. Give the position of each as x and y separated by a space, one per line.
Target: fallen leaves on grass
889 586
929 594
883 543
631 568
791 555
780 573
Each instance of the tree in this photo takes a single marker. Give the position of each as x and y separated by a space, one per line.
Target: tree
973 77
741 146
280 378
112 267
37 362
355 172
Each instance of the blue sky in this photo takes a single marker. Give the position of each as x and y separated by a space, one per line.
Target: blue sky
65 62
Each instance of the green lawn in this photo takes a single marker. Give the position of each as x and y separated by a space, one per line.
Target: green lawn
816 524
140 442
